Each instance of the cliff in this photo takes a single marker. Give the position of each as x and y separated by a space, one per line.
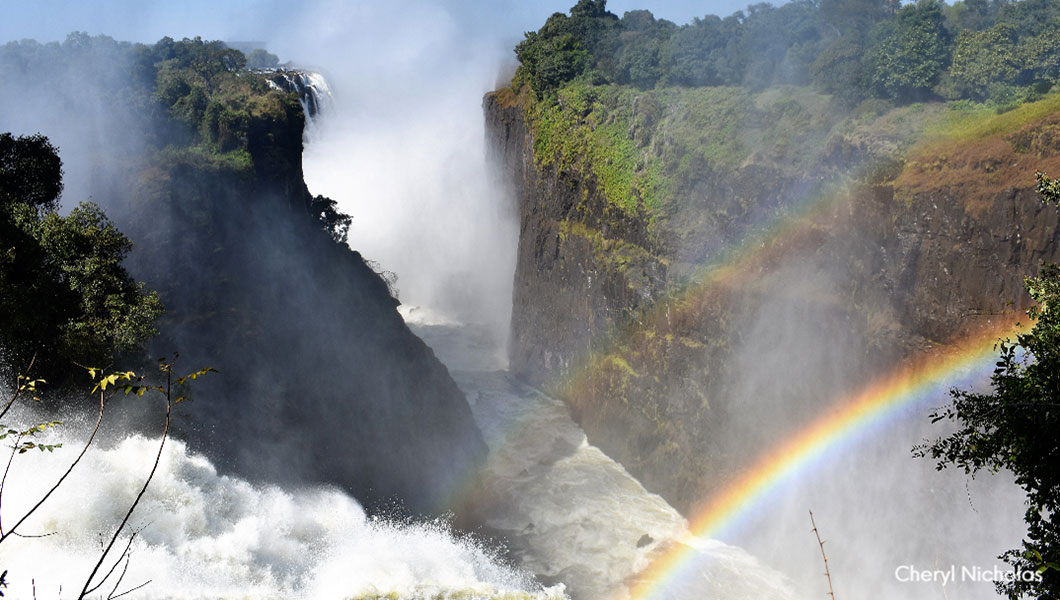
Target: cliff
199 163
321 379
710 265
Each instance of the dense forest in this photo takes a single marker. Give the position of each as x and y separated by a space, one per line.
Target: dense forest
998 50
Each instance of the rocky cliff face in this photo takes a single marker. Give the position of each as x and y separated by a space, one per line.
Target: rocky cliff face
759 292
563 299
320 380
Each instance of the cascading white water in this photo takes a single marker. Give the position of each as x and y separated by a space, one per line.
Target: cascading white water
570 512
312 88
204 535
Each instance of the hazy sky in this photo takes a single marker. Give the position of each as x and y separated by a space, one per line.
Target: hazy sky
138 20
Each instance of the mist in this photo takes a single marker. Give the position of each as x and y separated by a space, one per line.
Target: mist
403 152
877 507
402 149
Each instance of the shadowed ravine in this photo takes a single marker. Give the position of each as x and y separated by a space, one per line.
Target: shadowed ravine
571 514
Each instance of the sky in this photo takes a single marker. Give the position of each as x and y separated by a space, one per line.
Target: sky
239 20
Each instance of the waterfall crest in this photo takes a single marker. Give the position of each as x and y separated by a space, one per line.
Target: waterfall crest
313 90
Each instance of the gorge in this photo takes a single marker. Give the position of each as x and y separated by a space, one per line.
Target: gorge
611 342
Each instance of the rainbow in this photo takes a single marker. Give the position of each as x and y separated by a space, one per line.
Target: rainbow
880 400
850 419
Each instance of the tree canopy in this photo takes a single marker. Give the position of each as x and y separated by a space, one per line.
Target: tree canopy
64 295
1000 50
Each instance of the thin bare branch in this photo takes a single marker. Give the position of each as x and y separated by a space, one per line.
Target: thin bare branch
124 554
131 590
95 430
143 490
825 557
30 537
7 468
124 570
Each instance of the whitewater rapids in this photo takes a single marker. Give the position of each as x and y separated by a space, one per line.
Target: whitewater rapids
205 535
574 519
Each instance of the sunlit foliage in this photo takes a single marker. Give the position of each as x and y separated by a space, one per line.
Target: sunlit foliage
64 294
992 50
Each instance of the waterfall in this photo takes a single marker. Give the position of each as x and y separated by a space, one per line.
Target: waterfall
313 91
568 511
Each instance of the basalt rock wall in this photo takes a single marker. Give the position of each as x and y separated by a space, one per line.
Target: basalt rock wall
728 319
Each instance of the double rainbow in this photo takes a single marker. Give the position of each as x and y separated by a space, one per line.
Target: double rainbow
882 399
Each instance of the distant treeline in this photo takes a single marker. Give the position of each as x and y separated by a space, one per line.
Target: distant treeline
192 90
1003 51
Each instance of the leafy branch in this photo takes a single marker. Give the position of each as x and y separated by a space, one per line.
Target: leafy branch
137 388
105 386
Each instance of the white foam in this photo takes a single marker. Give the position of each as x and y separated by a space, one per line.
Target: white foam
207 535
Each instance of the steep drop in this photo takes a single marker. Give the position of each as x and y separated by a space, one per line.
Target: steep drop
571 514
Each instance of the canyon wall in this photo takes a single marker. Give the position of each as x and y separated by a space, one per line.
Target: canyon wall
760 283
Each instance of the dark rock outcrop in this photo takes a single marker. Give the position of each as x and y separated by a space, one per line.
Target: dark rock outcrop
564 299
320 380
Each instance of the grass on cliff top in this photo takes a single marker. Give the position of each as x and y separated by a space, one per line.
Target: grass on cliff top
971 121
656 153
646 148
977 154
587 130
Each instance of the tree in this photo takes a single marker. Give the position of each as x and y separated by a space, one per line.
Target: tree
852 18
695 52
63 291
1015 427
261 59
838 70
638 54
973 15
565 46
909 53
778 44
549 62
982 58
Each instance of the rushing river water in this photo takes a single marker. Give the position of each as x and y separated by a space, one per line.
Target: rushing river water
571 516
570 513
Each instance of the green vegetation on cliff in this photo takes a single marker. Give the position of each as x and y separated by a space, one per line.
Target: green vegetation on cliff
204 86
859 153
648 148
